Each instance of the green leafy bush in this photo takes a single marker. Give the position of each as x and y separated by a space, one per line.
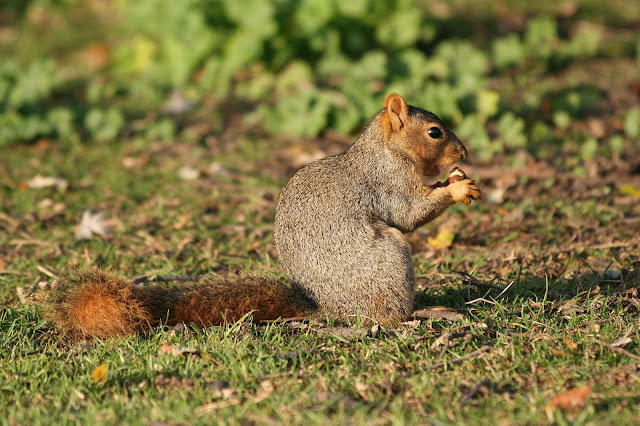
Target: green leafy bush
292 67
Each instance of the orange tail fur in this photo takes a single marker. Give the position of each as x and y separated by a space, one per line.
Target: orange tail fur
98 303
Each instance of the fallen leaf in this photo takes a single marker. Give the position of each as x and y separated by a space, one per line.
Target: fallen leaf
375 329
163 382
573 400
438 312
175 350
216 169
347 333
443 240
21 296
177 103
188 173
570 345
101 373
496 196
622 340
93 223
362 390
342 401
42 144
629 190
443 340
38 182
97 55
593 326
264 391
557 352
569 307
215 406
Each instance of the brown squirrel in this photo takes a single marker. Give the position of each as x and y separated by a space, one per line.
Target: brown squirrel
338 230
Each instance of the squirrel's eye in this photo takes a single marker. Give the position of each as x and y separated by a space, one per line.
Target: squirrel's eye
435 132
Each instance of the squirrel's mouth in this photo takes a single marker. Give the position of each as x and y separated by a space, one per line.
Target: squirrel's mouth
432 171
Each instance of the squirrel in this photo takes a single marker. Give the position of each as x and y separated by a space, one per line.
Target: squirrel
338 230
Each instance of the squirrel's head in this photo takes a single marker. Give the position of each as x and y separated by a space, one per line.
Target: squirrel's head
420 135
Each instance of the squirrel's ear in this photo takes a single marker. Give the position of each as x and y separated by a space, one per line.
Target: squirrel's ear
397 114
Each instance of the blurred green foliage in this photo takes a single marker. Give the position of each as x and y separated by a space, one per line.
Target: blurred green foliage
293 67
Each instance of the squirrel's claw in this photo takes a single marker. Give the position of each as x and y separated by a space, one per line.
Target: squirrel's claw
465 190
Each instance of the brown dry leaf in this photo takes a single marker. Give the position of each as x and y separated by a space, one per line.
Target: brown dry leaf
217 405
42 144
438 312
135 162
570 345
163 382
216 170
226 397
101 373
343 401
21 296
569 307
573 400
363 390
443 240
443 340
175 350
632 293
97 55
347 333
593 326
264 391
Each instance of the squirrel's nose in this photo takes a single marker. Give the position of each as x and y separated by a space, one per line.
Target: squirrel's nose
463 153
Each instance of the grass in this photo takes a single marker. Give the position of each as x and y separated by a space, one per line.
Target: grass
540 339
276 373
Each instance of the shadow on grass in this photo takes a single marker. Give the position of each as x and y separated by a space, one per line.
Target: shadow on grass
617 285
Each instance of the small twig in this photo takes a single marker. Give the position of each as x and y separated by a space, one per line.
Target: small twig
282 320
477 352
471 280
165 278
20 292
479 299
46 272
486 383
618 349
505 289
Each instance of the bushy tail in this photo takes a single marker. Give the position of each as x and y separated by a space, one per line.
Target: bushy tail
98 303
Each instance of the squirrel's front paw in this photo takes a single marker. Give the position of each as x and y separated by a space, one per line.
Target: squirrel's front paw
465 191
